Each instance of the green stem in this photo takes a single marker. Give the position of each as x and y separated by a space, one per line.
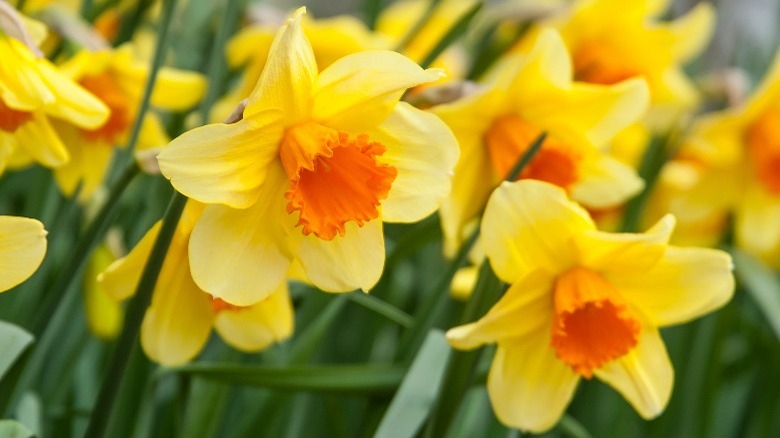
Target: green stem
382 308
61 291
456 31
653 160
157 62
426 16
135 314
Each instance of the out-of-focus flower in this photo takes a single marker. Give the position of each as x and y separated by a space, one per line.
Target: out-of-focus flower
613 40
318 161
118 79
104 315
22 247
733 162
32 92
583 303
528 94
179 321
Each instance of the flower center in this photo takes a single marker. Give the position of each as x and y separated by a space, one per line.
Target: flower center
592 324
510 136
601 64
106 89
11 119
763 143
334 179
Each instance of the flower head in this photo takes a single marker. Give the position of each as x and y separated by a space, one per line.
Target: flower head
318 161
181 316
733 157
528 94
583 303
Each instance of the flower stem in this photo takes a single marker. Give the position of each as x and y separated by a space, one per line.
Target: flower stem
135 313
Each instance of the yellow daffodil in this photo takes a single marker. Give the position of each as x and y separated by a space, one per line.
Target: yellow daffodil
331 39
318 161
33 92
583 303
118 79
22 247
528 94
179 321
733 157
613 40
104 315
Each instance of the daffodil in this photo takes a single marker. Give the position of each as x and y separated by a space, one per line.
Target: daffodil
734 158
528 94
613 40
583 303
22 247
315 166
33 92
118 79
180 319
104 315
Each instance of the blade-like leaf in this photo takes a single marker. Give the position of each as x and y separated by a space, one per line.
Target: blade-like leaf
13 341
762 284
349 379
414 399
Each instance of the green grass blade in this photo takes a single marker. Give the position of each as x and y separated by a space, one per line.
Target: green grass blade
367 379
414 399
13 341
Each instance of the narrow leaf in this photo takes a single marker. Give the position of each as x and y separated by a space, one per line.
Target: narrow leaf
344 379
414 399
14 429
13 341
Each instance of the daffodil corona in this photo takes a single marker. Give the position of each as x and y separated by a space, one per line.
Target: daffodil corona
318 161
583 303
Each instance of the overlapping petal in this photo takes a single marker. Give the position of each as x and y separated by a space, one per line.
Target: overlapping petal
256 327
531 225
423 151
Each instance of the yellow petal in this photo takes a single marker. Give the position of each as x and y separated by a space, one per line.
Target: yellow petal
644 376
605 182
360 90
248 44
177 90
121 278
757 223
22 247
223 163
469 118
178 322
685 284
241 256
525 308
531 77
625 252
38 138
22 86
598 111
352 261
88 163
104 314
692 31
424 152
288 76
528 386
73 103
256 327
531 225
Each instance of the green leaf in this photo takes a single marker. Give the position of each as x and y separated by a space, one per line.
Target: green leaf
13 341
414 399
14 429
344 379
456 31
30 413
573 428
762 284
386 310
